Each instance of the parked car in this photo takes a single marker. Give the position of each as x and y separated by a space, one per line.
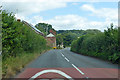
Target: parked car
54 47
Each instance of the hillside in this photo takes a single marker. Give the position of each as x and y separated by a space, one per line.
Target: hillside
67 36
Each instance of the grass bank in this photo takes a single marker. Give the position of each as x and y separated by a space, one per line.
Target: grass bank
11 66
20 44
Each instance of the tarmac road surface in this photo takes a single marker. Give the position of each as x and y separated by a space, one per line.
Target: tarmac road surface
60 64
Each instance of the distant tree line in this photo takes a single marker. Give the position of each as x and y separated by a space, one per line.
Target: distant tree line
67 36
64 36
104 45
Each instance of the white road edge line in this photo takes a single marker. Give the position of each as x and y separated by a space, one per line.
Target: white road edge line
78 69
66 59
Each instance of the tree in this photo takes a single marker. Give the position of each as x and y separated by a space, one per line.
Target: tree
45 28
68 38
103 45
17 37
59 39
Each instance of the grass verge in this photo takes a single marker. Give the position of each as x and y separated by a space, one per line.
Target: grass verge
11 66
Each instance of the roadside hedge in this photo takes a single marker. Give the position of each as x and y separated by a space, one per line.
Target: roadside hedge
18 38
102 45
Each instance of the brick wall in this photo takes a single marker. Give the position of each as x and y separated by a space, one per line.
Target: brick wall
51 41
53 32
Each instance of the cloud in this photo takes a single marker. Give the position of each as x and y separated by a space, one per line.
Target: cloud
88 7
60 0
109 14
34 20
60 22
24 9
28 8
68 22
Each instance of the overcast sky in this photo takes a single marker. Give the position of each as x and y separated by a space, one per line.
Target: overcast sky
66 14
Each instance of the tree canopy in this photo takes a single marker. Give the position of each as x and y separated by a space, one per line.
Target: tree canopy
70 35
44 27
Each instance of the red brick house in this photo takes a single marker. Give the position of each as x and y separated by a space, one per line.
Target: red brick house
51 39
52 31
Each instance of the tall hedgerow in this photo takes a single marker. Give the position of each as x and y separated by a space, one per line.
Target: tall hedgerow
18 37
103 45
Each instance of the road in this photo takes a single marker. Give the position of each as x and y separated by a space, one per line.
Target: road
62 63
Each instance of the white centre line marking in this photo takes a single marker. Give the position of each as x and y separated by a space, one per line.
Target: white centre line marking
62 55
78 69
66 59
74 66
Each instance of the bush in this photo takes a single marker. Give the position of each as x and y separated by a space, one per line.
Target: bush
20 44
18 37
102 45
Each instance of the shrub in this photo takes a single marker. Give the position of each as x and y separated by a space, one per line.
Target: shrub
103 45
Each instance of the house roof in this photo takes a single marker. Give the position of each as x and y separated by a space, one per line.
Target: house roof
32 27
50 35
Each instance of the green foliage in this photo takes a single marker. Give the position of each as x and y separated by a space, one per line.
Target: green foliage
101 45
68 38
59 39
12 65
18 37
119 38
74 44
79 32
44 27
114 58
69 35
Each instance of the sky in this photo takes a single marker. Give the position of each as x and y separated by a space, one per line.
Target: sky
66 14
